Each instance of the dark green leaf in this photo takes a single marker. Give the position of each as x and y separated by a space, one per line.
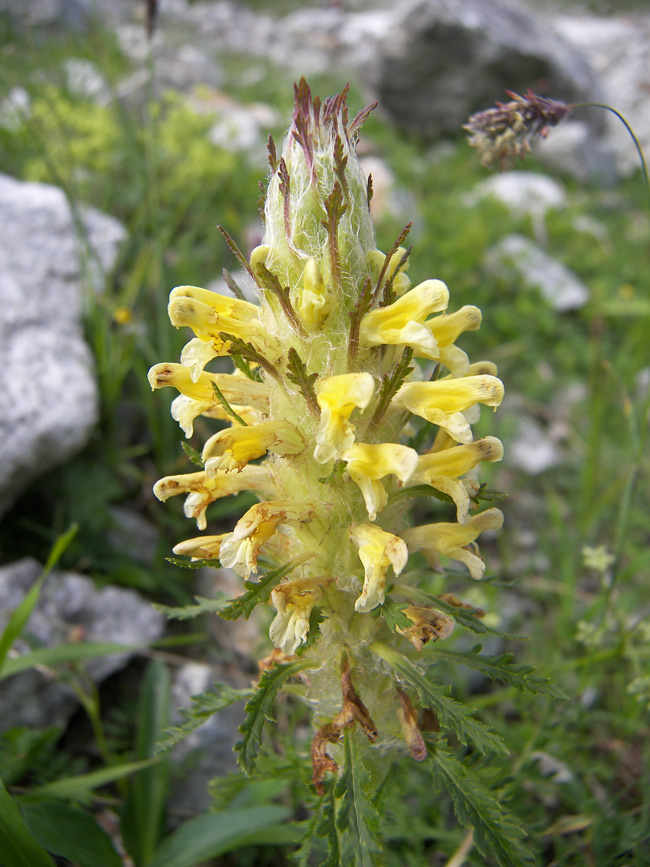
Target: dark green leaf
192 453
260 709
393 614
81 785
357 817
71 833
213 834
495 831
143 813
23 612
453 716
204 705
257 592
501 667
18 848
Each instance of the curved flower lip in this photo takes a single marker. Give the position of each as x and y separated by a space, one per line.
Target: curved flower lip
223 304
453 540
443 402
367 463
338 396
239 550
294 601
377 551
233 448
202 489
402 323
441 469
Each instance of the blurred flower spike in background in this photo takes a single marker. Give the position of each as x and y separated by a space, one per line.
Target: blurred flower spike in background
326 391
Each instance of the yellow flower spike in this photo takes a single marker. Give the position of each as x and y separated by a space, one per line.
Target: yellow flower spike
201 547
232 449
240 549
338 397
453 540
402 323
428 625
369 463
377 551
441 470
247 397
202 489
444 402
294 602
314 302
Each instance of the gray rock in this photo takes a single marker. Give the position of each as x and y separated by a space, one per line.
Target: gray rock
69 14
48 395
70 608
531 449
520 260
85 81
444 59
573 148
618 49
523 193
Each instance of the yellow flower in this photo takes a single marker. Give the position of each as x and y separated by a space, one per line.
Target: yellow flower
203 489
324 359
233 448
294 602
441 469
315 303
444 402
455 540
197 395
402 323
369 463
201 547
338 397
240 549
378 551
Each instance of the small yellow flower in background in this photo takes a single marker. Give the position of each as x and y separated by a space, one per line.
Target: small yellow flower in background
324 394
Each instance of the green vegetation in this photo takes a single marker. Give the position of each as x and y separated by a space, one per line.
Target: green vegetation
571 563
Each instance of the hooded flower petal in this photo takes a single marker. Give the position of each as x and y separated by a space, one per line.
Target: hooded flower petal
338 397
233 448
201 547
239 550
443 402
369 463
202 489
455 540
441 469
377 551
402 323
314 301
401 282
198 397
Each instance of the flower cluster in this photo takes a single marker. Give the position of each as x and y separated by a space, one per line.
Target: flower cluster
503 134
324 395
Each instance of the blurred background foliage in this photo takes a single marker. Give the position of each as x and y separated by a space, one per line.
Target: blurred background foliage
575 775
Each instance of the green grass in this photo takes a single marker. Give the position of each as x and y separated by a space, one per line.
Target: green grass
153 168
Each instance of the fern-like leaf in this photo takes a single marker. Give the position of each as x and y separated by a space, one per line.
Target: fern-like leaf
203 605
192 454
453 715
393 614
259 709
204 705
357 818
256 593
495 830
501 667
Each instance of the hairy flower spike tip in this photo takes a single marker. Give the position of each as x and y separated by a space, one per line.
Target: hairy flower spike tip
315 420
